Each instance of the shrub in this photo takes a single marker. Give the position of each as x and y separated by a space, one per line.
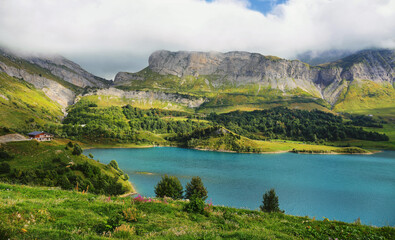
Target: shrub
195 187
5 168
270 202
70 145
124 231
4 156
77 150
131 214
114 165
169 187
195 205
125 177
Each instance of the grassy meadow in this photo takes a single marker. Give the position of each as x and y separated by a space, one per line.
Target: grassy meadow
50 213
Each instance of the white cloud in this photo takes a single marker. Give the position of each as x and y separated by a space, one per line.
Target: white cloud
121 31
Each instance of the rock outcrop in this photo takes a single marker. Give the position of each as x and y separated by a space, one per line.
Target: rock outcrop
69 71
150 95
51 88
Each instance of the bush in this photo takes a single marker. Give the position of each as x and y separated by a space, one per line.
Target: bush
131 214
169 187
270 202
195 205
77 150
70 145
5 168
4 156
114 165
195 187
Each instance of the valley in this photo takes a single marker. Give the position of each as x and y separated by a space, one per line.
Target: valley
192 85
286 106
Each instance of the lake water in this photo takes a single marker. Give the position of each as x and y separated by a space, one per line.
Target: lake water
340 187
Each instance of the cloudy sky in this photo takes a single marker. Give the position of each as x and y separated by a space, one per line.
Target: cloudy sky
108 36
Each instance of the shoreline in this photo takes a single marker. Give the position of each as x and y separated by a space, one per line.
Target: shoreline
228 151
115 146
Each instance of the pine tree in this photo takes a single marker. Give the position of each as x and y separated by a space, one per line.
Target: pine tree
270 202
195 187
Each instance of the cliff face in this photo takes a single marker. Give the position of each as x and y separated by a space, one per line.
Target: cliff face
69 71
58 77
150 96
240 68
51 88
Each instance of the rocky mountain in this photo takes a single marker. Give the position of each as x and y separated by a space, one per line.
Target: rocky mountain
68 71
59 78
239 69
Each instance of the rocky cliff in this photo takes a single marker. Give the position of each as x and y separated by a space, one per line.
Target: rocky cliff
191 102
241 68
68 71
54 90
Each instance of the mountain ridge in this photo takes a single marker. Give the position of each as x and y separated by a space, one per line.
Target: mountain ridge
326 81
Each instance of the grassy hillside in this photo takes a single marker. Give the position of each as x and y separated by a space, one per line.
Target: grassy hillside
108 101
57 164
23 107
367 97
50 213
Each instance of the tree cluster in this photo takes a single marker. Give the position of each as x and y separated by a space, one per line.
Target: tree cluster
195 192
300 125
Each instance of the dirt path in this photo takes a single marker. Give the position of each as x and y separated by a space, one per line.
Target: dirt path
12 138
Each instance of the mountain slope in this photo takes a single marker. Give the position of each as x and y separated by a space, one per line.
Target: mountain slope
23 107
68 71
60 78
54 87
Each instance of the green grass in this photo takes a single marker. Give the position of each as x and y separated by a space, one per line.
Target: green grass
388 129
262 106
50 213
367 97
22 106
108 101
184 119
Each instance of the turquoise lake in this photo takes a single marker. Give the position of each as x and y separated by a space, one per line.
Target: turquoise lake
338 187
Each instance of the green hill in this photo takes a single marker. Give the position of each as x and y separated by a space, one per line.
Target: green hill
23 107
57 164
50 213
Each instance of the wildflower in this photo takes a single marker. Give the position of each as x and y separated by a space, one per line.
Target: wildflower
23 230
